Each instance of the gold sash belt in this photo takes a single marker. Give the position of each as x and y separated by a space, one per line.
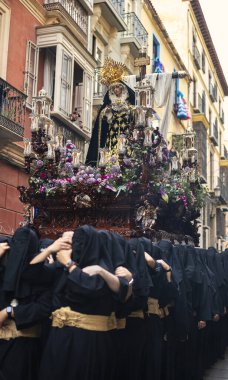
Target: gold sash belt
9 331
120 323
67 317
164 312
137 314
153 306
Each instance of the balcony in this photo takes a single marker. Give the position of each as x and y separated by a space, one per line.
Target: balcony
213 92
197 56
135 35
112 10
214 134
71 11
12 112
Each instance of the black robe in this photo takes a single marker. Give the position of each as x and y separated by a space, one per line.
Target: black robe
20 357
74 353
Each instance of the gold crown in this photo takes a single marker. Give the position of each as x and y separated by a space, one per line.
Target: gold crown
112 71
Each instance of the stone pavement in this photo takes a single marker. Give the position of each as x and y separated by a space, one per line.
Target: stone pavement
219 371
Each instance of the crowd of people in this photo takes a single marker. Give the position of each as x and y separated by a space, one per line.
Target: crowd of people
92 305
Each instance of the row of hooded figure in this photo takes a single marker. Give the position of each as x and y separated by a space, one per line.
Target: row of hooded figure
92 305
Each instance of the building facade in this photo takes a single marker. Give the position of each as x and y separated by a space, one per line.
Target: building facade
187 27
44 44
63 45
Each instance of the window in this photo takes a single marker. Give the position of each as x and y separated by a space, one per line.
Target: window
177 87
209 81
87 102
49 71
4 37
204 102
193 42
216 92
211 171
210 119
66 79
31 69
203 62
97 85
156 51
94 44
194 92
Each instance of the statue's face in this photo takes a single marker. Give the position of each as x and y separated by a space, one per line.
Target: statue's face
117 90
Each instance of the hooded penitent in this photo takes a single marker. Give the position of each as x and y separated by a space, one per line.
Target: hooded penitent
25 245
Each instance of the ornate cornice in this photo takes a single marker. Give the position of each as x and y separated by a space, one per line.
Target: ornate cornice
12 153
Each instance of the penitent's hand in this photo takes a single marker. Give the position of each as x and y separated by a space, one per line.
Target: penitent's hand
123 272
3 248
59 244
92 270
64 256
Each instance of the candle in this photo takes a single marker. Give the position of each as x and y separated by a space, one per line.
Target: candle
103 157
34 124
76 154
59 141
50 152
150 122
140 116
135 134
148 137
121 144
27 147
50 130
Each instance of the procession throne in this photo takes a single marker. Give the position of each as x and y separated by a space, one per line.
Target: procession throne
63 193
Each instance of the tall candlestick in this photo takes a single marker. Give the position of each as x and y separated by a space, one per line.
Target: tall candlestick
135 134
148 137
121 144
76 154
59 141
150 122
34 124
103 157
50 152
27 147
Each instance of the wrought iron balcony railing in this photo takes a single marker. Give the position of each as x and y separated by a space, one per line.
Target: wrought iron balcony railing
119 6
12 110
72 8
135 29
197 56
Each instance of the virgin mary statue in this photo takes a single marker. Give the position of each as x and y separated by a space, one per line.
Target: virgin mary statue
115 115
